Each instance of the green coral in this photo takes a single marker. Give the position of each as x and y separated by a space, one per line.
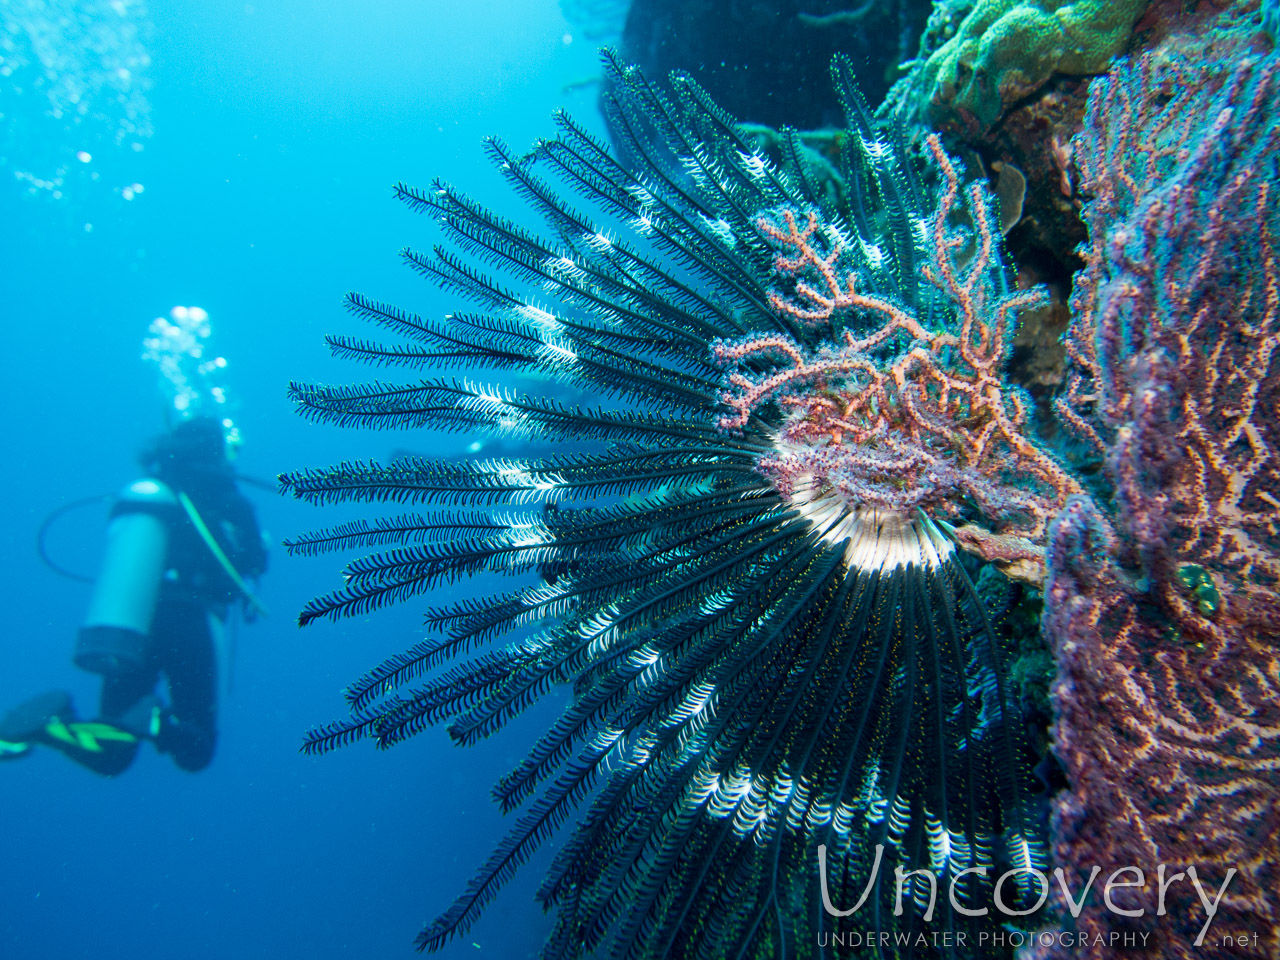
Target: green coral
1006 49
1199 583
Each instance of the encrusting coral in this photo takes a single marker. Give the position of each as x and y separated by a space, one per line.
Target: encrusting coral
1007 49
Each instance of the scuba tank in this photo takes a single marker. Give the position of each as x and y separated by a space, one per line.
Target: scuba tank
116 628
148 545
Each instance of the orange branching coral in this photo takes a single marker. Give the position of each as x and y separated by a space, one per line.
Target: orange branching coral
906 412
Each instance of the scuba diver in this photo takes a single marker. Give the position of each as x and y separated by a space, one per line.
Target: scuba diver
180 544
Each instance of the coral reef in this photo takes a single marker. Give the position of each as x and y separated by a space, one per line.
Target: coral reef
747 559
1163 617
1033 132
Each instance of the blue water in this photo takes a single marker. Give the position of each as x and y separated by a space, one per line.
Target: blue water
279 129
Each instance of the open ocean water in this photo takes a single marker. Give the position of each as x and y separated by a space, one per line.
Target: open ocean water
271 135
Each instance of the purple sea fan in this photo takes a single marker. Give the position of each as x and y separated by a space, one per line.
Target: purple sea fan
1163 618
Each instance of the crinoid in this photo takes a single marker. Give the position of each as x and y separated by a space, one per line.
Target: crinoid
777 658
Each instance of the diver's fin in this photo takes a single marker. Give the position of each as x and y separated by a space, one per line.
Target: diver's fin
49 720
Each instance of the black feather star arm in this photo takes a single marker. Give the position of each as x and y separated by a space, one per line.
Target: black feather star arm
784 685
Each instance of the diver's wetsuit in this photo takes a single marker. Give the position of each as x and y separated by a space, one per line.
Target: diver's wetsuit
180 643
152 612
173 588
182 649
